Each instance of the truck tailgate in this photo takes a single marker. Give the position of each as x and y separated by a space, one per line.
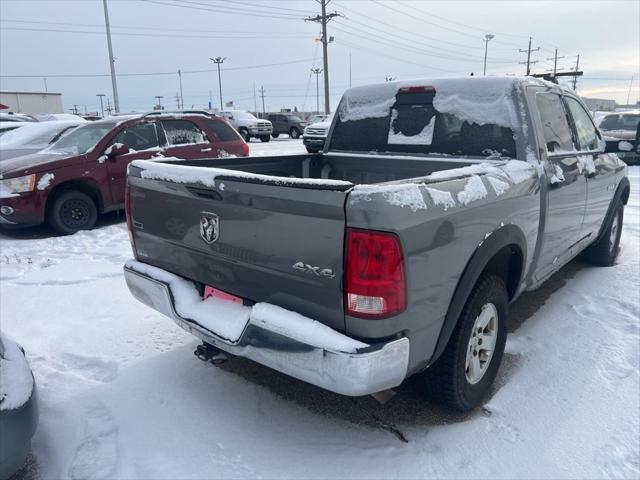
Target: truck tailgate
274 242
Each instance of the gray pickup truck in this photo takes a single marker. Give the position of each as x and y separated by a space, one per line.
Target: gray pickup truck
394 252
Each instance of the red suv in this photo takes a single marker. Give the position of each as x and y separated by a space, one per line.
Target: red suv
85 172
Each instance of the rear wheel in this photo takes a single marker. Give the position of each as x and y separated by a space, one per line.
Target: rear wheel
245 134
275 135
604 252
462 377
71 212
294 133
265 138
313 149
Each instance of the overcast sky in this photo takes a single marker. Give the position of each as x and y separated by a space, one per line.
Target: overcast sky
267 43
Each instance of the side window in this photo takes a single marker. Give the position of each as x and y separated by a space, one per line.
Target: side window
222 131
284 119
182 132
138 137
555 127
587 135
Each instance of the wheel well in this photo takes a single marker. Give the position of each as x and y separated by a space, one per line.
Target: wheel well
507 264
77 186
625 195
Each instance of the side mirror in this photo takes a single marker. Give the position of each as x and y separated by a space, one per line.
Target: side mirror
116 150
620 146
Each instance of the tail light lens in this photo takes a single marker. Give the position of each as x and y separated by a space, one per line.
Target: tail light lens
375 285
245 149
127 211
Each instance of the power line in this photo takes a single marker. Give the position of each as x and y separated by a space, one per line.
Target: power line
217 9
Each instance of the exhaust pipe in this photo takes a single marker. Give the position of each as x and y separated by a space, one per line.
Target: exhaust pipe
208 353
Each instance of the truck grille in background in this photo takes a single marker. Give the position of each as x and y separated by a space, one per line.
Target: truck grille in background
321 132
264 124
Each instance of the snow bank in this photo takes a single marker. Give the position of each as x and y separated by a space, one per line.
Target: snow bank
207 176
16 381
45 181
228 320
473 190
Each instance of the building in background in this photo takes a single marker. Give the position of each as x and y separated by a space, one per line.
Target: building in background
31 103
600 104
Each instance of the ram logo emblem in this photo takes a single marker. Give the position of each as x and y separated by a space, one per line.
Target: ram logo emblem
209 227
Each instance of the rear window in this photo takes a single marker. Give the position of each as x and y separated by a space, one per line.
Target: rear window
620 122
182 132
222 131
414 125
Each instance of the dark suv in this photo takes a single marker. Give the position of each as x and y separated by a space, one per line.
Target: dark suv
286 123
84 173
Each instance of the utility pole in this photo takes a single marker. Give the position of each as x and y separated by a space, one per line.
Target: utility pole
555 62
317 71
109 109
262 95
100 95
178 100
159 97
349 69
255 101
629 94
218 61
74 109
529 62
181 104
323 19
112 60
575 77
487 38
45 85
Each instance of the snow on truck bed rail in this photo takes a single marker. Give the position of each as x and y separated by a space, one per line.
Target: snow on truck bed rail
153 170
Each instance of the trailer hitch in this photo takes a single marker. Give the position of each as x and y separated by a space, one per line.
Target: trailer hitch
208 353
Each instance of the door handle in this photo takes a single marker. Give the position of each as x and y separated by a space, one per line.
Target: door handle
206 149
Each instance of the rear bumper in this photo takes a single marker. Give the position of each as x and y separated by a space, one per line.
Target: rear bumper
367 370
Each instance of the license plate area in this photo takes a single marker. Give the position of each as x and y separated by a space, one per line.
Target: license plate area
220 295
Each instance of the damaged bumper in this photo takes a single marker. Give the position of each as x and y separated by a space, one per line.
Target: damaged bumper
367 370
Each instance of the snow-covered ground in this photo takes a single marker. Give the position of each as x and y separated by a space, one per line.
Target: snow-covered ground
122 396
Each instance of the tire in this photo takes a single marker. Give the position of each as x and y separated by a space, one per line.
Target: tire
71 212
294 133
603 253
275 135
244 133
450 380
312 150
265 138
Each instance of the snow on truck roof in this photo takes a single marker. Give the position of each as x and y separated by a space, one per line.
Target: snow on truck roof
480 100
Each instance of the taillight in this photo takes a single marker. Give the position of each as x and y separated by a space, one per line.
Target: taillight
245 149
375 285
127 211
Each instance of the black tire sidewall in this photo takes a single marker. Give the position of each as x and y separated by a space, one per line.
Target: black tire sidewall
490 289
294 133
54 216
265 138
244 133
619 213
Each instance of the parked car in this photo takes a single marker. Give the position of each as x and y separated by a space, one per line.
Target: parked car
84 173
624 126
18 407
315 135
16 117
33 137
247 125
286 123
396 251
8 126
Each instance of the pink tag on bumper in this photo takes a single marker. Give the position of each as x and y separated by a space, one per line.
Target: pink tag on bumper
215 293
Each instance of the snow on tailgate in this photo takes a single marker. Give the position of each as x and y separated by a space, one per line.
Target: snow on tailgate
206 176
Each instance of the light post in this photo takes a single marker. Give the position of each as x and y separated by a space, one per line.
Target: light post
159 97
218 61
487 38
100 95
317 71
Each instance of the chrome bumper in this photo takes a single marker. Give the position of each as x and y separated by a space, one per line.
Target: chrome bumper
369 370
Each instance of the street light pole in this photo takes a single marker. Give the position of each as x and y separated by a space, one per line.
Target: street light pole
317 71
112 59
159 97
487 38
218 61
100 95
